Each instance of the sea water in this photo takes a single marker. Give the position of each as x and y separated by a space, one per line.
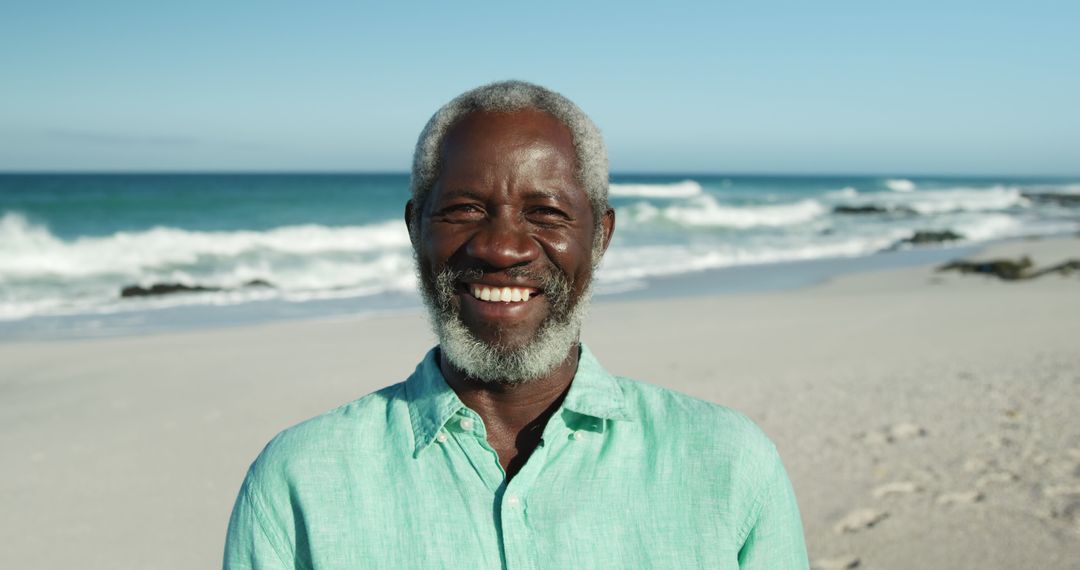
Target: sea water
270 246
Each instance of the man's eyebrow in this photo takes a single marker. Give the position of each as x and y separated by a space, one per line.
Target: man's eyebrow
462 193
543 193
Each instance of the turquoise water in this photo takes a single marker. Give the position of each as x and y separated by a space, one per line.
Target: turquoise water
69 244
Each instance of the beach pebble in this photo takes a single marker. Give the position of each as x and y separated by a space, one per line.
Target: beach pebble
905 431
960 498
860 519
841 563
895 488
1013 415
996 477
893 434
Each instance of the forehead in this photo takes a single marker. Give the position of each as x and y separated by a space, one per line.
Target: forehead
529 141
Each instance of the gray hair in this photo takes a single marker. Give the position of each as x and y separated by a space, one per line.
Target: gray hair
506 96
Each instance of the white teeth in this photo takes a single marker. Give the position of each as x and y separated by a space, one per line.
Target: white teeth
504 294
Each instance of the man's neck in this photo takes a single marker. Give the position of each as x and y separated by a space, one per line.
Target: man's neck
514 414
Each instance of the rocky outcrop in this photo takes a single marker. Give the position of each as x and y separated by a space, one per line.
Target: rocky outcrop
158 289
1068 200
1011 270
163 289
929 236
924 237
872 209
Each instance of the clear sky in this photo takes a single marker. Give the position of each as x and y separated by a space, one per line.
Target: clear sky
752 86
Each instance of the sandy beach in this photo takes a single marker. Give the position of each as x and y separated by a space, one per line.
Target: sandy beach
928 420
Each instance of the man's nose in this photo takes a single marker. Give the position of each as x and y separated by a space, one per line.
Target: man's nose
504 241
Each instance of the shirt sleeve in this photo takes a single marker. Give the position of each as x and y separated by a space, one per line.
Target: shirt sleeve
250 544
775 540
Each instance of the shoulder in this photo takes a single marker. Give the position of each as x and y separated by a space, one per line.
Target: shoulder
712 429
358 427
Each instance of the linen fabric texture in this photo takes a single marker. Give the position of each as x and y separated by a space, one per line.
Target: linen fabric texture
627 475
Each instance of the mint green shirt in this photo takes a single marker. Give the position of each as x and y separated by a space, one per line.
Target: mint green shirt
627 475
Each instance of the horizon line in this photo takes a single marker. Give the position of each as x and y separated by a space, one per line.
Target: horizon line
671 173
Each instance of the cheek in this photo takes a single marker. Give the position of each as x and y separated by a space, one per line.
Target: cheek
437 246
571 252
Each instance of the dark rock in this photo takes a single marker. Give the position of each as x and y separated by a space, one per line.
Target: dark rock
869 209
872 209
922 237
1052 198
163 289
1006 269
258 283
1010 270
1065 268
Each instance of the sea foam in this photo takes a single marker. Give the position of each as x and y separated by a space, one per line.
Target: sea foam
900 185
705 210
684 189
28 249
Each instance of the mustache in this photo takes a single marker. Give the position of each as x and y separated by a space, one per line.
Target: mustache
553 283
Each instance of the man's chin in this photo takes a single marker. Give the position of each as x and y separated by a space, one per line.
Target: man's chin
503 350
516 362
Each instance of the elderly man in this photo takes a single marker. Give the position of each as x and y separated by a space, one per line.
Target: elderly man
510 446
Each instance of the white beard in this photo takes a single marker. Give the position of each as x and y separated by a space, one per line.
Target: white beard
479 360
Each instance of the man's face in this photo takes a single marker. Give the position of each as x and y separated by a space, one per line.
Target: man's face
505 246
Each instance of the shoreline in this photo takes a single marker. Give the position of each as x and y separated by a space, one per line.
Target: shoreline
742 279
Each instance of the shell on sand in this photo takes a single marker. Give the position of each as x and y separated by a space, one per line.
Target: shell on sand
960 498
895 488
860 519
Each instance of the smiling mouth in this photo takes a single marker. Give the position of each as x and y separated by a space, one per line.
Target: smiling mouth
501 294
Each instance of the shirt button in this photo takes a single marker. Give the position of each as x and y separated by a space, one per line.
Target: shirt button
576 436
466 424
441 438
513 500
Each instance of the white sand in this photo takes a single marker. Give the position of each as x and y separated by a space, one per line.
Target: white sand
941 407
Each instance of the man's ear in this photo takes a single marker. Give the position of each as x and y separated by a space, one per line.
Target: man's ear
408 216
608 223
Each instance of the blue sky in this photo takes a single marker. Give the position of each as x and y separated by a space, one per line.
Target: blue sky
766 87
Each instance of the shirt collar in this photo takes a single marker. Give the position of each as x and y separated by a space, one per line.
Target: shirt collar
593 392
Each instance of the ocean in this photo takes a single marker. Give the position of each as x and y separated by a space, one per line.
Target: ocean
80 253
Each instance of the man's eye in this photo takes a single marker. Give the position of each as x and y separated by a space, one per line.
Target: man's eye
461 211
548 214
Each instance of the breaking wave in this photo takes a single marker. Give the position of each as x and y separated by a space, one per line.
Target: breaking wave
706 211
931 202
663 229
40 273
900 185
684 189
